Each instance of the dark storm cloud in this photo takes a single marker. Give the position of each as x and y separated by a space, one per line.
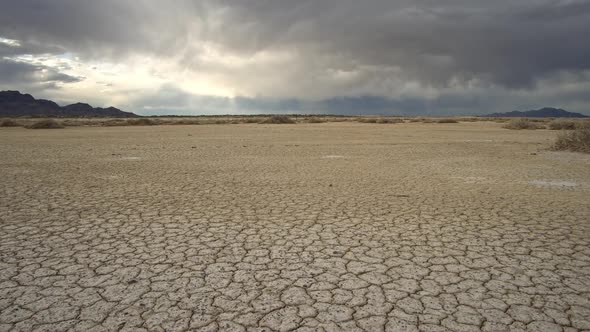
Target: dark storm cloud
99 28
505 42
510 43
449 48
16 72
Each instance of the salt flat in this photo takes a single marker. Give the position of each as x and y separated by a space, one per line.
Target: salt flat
308 227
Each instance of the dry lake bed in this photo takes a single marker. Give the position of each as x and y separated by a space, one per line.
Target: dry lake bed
307 227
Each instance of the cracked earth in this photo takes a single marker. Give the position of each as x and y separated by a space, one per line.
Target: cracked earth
307 227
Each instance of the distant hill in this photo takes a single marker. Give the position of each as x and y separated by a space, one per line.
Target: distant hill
16 104
546 112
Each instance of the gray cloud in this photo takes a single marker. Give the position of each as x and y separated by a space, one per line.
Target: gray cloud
21 72
387 56
32 48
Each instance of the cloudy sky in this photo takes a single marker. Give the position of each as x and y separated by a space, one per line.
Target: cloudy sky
435 57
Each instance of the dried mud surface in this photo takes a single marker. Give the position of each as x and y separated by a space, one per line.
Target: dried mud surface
307 227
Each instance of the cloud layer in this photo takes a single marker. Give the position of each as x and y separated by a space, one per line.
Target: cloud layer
339 56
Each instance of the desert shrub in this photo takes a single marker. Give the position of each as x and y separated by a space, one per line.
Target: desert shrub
8 123
70 123
251 120
339 119
562 125
390 120
185 122
45 124
278 119
447 120
518 124
380 120
577 140
540 120
422 120
141 122
471 119
501 120
315 120
368 120
78 122
114 123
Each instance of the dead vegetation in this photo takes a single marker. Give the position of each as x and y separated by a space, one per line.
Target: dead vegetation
390 120
9 123
278 119
315 120
141 122
447 120
382 120
577 140
45 124
563 124
522 123
511 123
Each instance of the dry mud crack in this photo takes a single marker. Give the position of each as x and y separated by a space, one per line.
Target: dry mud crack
412 227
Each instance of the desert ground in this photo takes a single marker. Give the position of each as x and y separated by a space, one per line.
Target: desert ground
309 227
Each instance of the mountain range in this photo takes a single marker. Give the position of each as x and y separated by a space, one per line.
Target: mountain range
16 104
546 112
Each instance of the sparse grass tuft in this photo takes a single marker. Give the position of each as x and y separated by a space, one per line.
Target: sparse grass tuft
521 123
9 123
562 124
46 124
278 119
577 140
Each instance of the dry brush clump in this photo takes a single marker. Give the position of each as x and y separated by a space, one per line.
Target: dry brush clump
390 120
113 123
45 124
141 122
315 120
447 120
9 123
562 124
422 120
278 119
382 120
367 120
185 122
517 124
577 140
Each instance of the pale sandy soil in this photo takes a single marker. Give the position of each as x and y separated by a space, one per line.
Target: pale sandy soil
308 227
